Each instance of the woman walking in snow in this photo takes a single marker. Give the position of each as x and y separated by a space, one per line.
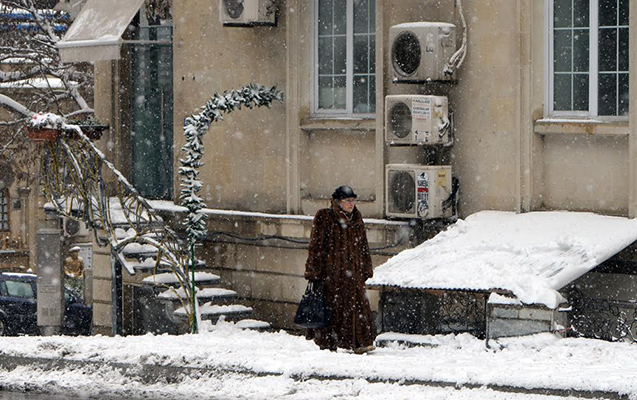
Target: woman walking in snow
340 262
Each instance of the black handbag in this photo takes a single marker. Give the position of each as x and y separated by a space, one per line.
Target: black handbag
313 312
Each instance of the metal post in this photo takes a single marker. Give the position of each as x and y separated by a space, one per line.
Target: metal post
50 281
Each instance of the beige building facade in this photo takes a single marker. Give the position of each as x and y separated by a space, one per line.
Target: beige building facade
518 146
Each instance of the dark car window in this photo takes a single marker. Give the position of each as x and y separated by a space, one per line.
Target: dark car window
19 289
3 289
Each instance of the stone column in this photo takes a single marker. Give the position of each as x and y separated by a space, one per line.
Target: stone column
50 281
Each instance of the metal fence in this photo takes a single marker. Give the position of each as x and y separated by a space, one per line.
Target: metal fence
611 320
433 312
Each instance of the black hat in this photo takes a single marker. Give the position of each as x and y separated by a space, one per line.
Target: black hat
343 192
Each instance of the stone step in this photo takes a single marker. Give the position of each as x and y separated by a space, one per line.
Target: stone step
170 279
139 250
212 312
246 324
253 324
212 295
145 264
405 339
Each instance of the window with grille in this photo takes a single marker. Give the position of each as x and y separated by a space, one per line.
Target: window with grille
588 57
344 71
4 209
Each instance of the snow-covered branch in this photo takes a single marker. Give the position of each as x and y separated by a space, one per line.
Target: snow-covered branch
15 107
33 76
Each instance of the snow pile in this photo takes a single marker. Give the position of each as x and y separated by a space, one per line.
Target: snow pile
531 255
47 121
279 365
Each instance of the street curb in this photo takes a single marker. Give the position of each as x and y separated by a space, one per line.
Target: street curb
148 374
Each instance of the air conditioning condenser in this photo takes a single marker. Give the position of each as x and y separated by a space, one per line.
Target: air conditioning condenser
420 51
417 191
417 120
247 12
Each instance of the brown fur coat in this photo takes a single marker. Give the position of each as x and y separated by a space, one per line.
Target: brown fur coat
339 257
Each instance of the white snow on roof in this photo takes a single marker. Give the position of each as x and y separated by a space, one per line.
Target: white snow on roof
533 255
495 298
100 21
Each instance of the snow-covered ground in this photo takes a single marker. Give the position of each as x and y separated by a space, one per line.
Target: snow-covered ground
254 365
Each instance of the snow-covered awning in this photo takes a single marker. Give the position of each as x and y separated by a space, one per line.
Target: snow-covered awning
532 255
96 33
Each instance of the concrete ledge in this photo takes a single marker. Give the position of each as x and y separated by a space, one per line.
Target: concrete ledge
149 373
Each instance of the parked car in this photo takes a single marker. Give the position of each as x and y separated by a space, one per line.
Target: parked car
18 307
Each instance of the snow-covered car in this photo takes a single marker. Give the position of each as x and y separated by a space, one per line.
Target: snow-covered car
18 307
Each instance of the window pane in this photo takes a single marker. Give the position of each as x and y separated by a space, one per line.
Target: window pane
580 50
372 53
340 17
325 60
607 94
623 49
562 51
361 23
608 49
580 92
372 94
581 13
623 12
326 93
361 54
607 12
562 13
340 55
623 95
340 92
325 17
151 115
562 92
20 289
361 94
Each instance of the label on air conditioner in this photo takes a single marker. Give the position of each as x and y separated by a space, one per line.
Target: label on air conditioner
423 193
421 111
441 178
421 108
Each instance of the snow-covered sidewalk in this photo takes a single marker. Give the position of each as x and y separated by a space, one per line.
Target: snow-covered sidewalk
231 363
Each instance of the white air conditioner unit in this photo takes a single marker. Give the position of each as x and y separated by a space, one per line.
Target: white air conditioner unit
417 119
73 228
420 51
247 12
417 191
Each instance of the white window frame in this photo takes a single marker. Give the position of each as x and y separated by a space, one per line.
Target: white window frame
349 80
592 68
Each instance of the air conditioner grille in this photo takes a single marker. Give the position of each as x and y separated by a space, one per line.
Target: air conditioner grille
402 192
406 53
234 8
400 120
